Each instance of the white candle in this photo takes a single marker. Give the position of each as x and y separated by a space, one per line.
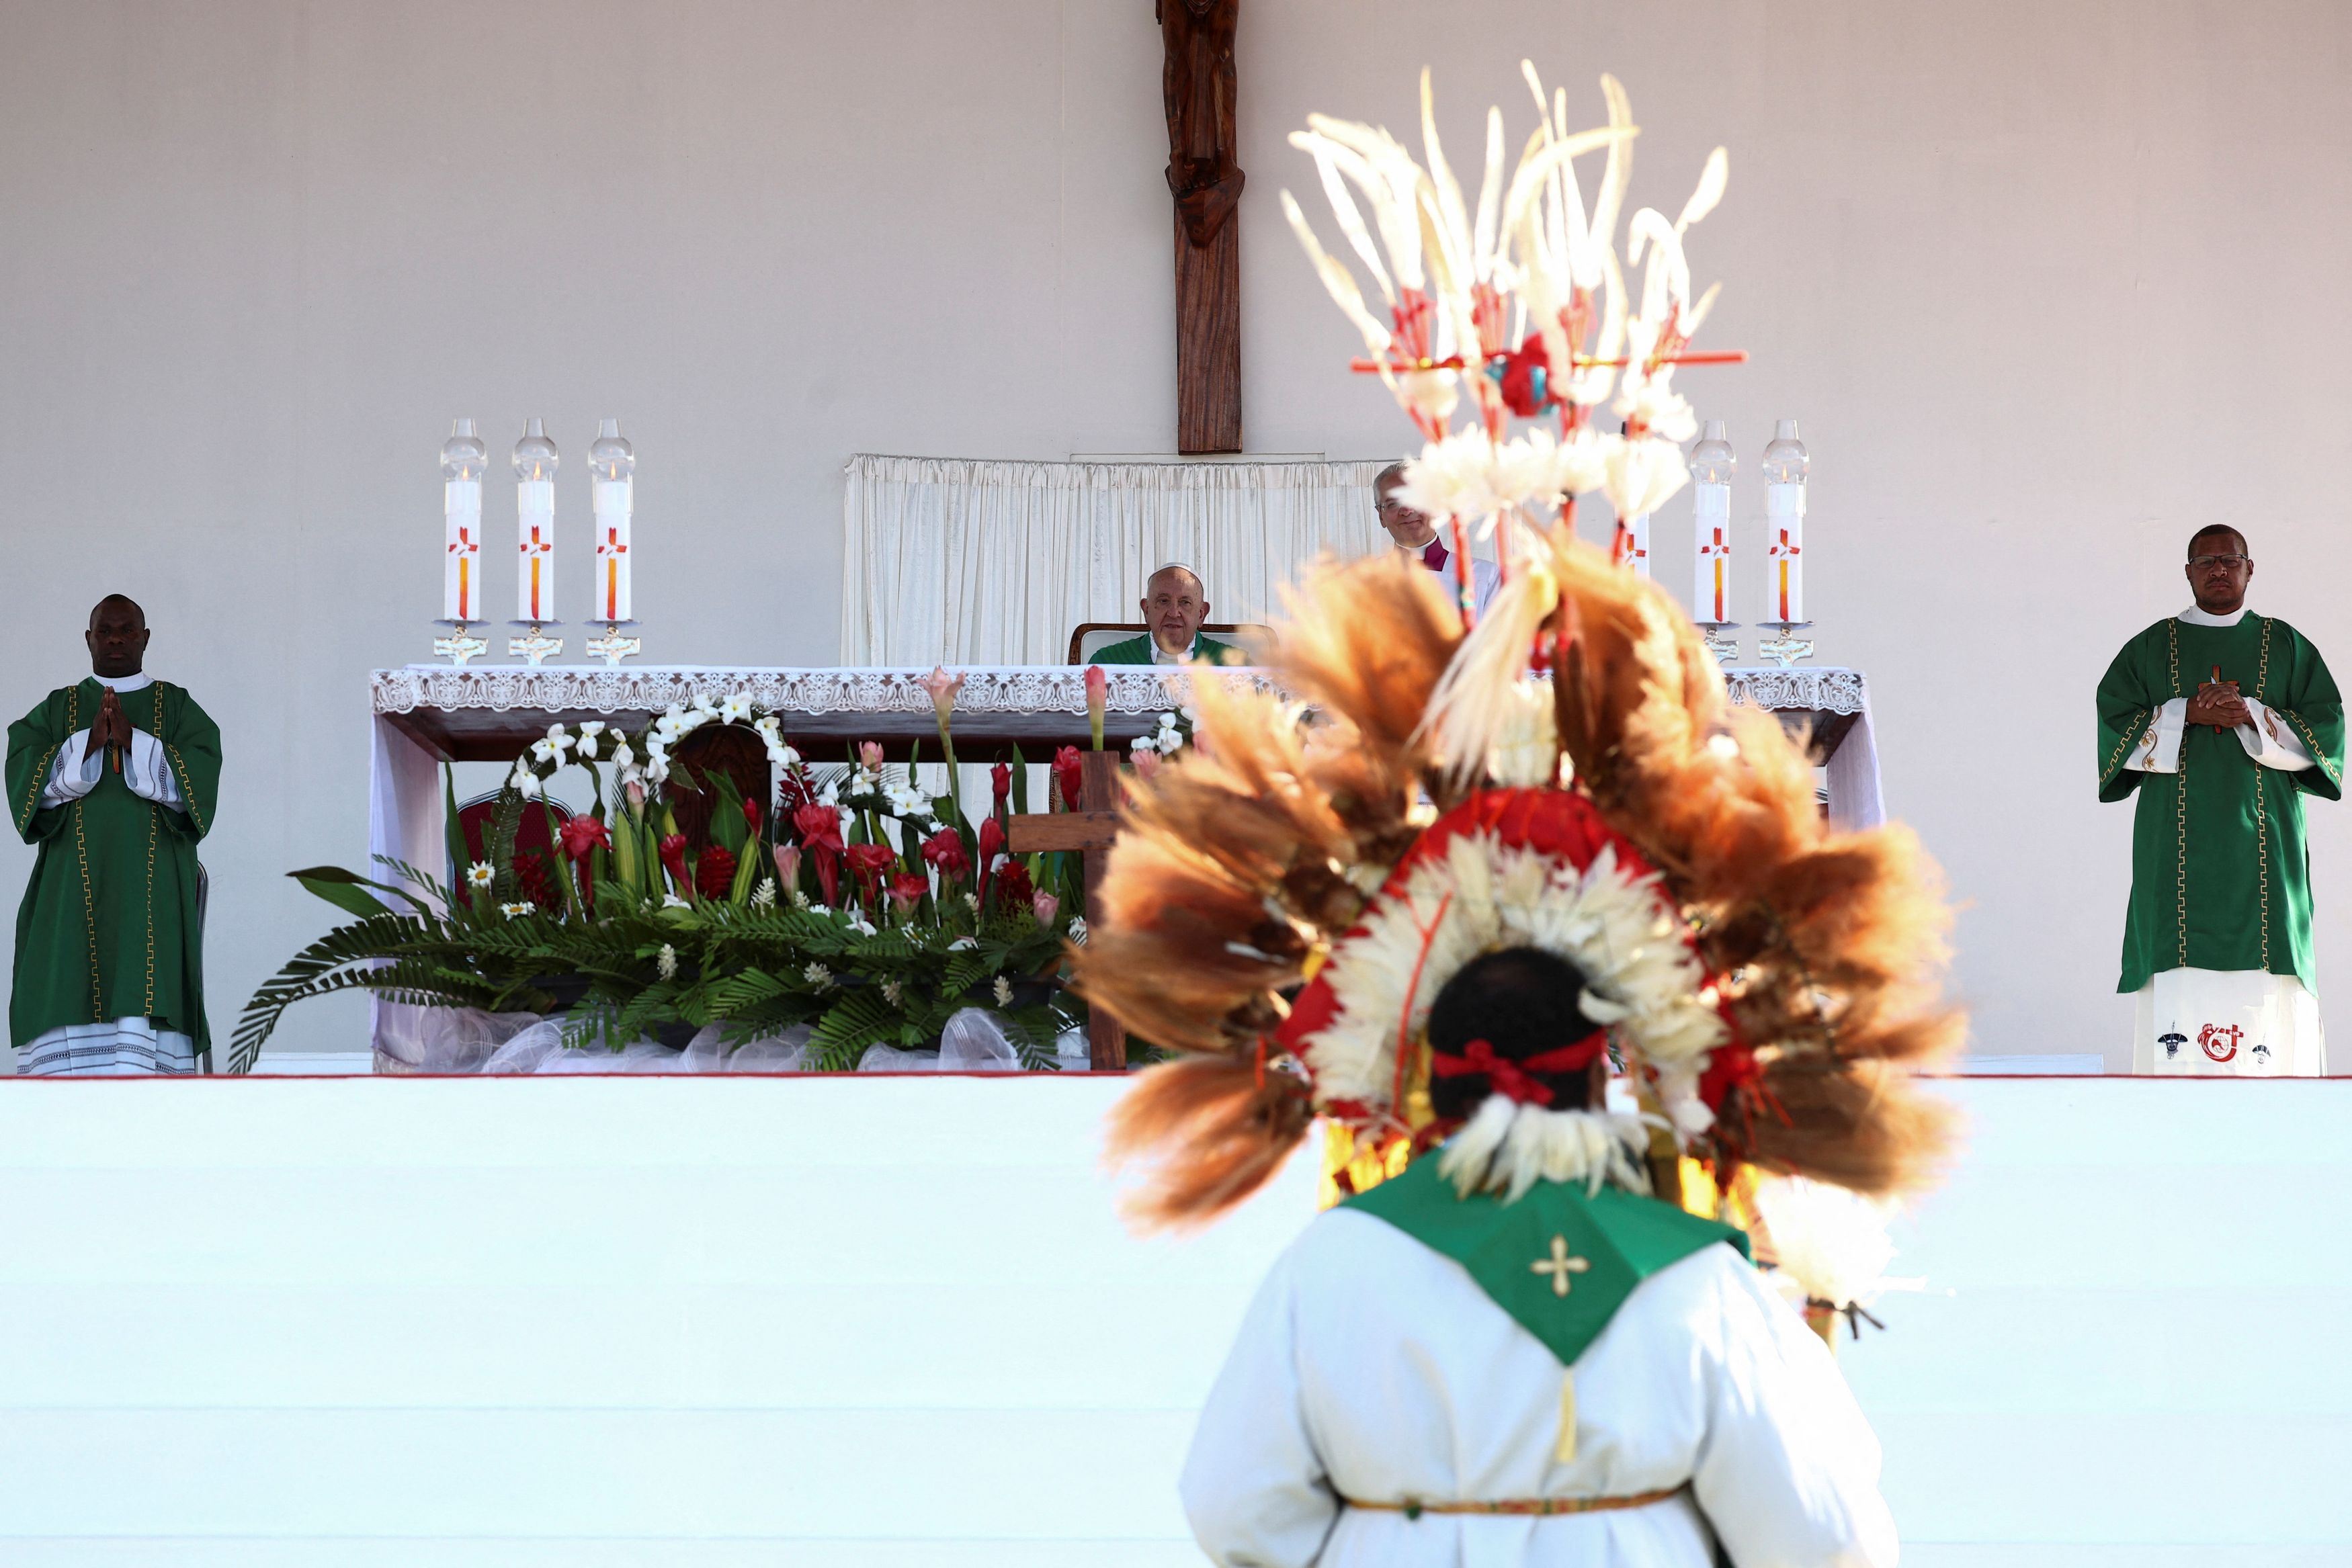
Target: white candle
461 523
1712 466
1786 464
462 460
613 497
1638 555
535 462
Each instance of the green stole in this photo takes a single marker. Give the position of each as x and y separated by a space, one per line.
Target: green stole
1559 1261
2220 869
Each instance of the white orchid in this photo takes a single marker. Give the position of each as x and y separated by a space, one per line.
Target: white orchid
623 756
591 726
859 924
736 708
705 704
786 756
587 748
526 784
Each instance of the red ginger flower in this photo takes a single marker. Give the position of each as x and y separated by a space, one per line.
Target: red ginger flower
819 827
714 872
1000 779
991 844
673 856
752 817
580 834
944 849
1012 889
906 890
869 861
1069 773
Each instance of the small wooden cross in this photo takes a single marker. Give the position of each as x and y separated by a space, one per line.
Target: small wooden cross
1559 1265
1088 830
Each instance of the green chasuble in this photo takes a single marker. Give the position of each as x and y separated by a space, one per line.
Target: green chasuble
1138 650
108 929
2220 869
1558 1261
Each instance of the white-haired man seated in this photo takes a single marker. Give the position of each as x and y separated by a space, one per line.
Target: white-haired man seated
1174 605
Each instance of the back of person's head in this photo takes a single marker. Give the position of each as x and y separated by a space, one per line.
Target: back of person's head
1523 1002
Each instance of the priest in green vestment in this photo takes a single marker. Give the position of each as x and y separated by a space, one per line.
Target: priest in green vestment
1175 604
2223 720
114 780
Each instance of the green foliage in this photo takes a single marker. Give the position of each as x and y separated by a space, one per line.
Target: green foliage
751 970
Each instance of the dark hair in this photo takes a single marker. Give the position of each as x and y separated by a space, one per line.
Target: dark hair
2210 530
1523 1002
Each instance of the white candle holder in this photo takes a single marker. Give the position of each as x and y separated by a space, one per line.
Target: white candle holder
460 645
1724 649
1787 647
535 648
612 647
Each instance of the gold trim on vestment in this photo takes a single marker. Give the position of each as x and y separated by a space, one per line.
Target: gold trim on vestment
2123 749
1535 1507
88 920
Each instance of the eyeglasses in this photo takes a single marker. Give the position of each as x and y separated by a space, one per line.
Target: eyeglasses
2200 562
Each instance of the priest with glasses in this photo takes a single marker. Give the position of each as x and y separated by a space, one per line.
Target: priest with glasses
2223 720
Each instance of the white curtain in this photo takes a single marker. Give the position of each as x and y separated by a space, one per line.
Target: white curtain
979 562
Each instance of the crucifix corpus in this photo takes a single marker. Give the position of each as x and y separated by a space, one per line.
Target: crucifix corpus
1088 831
1196 84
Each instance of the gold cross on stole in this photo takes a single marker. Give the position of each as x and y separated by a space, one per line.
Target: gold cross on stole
1559 1265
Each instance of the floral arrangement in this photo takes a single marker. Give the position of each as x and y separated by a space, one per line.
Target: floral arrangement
1523 303
846 899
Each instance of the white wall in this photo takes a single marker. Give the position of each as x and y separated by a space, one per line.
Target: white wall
2049 285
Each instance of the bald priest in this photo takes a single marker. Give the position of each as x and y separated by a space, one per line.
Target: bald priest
2223 720
1174 605
113 779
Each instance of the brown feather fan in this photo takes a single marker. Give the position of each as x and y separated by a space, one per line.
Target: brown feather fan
1242 862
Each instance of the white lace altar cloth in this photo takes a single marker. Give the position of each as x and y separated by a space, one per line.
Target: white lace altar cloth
404 798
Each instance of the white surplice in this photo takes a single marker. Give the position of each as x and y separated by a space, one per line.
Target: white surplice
2224 1023
1373 1367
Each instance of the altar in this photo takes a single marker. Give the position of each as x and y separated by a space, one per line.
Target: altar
427 715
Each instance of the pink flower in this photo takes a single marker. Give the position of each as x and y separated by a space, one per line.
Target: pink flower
869 755
636 791
943 688
1045 907
1147 763
788 867
1098 687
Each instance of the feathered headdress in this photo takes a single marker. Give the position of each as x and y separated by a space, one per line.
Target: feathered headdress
1286 902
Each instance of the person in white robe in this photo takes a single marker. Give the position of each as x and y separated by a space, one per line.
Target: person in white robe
1388 1402
1416 536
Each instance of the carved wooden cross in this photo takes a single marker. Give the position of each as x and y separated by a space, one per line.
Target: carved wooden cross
1197 87
1088 830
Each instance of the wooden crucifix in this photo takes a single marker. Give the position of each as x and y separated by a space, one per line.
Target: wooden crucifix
1088 830
1197 87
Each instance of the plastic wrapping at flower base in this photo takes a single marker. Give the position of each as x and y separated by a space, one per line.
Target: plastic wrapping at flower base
1520 306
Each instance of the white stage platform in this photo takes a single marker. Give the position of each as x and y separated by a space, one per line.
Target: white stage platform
866 1322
